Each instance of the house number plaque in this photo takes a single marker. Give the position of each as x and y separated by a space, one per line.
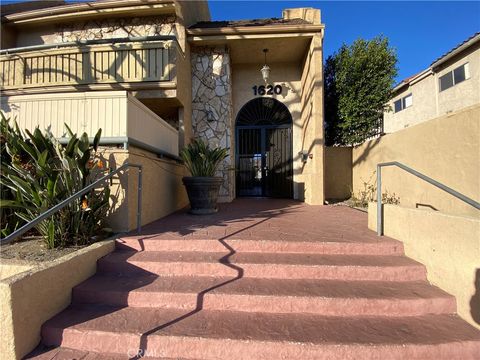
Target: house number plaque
267 90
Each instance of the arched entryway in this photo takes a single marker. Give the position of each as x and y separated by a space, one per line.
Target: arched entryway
264 159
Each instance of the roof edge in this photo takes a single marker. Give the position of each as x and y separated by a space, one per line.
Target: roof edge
77 8
458 49
413 79
262 29
442 59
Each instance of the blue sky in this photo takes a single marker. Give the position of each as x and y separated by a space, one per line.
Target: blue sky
420 31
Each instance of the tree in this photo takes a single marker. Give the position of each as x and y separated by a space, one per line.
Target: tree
358 84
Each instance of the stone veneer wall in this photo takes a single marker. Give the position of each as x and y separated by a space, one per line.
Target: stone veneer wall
212 106
117 28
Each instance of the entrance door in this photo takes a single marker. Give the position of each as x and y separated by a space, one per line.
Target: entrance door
264 162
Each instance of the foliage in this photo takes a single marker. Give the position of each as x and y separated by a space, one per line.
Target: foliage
9 221
358 84
369 194
39 172
201 160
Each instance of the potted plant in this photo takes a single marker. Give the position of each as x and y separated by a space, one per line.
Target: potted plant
202 187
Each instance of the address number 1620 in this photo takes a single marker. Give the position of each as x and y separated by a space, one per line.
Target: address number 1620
267 90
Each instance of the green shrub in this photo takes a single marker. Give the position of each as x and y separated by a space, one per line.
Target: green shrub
39 172
9 221
201 160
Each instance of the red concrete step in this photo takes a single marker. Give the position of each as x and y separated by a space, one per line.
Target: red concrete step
375 246
265 265
66 353
325 297
63 353
241 335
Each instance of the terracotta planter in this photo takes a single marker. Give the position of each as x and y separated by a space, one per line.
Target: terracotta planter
202 193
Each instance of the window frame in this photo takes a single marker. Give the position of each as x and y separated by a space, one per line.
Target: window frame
402 101
466 72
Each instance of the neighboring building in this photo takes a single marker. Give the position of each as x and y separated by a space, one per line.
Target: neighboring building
155 73
452 82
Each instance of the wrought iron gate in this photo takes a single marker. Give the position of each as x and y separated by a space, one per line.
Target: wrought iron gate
264 159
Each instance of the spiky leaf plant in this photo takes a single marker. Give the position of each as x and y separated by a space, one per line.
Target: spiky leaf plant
201 160
37 172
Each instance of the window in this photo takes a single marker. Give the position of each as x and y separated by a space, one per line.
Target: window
407 101
446 81
398 105
403 103
454 77
459 74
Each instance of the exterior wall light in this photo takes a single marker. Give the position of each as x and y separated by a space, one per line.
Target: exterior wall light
265 70
304 156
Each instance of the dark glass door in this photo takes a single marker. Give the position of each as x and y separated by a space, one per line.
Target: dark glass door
264 161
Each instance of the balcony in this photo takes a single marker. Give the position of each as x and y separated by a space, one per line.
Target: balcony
72 67
124 120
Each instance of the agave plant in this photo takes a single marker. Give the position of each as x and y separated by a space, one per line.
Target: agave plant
39 173
201 160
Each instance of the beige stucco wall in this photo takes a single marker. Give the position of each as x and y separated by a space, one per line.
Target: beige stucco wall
10 267
449 247
467 92
184 94
307 13
30 298
446 148
288 75
117 218
428 101
423 108
162 190
310 177
338 173
189 12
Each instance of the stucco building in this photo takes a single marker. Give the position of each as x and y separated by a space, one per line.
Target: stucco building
153 74
262 279
451 83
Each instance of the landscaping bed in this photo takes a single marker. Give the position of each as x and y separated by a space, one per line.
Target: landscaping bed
349 202
33 292
34 249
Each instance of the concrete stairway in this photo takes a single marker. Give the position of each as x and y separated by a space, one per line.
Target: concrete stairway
355 298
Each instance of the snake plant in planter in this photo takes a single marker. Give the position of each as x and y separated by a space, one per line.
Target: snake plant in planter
202 187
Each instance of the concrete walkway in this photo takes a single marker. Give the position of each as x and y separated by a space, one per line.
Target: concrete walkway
262 279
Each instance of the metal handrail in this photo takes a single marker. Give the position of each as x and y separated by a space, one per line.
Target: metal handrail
445 188
85 190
